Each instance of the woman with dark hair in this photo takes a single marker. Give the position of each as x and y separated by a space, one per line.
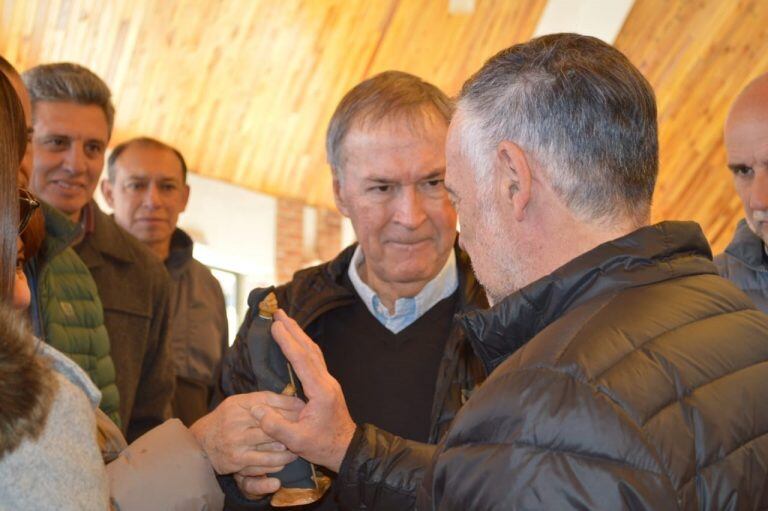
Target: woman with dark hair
49 458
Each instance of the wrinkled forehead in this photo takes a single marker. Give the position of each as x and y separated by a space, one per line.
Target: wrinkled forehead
149 161
402 141
746 132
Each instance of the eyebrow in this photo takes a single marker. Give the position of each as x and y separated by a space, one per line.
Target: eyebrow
435 174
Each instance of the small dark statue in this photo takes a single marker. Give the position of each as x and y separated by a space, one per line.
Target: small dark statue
300 482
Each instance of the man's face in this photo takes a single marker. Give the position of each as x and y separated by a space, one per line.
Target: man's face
69 141
392 190
25 169
491 243
149 192
746 141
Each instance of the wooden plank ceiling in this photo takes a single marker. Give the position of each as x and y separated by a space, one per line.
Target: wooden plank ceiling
697 55
245 88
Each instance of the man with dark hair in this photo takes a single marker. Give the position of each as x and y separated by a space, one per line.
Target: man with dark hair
72 117
66 311
624 373
147 188
382 311
745 260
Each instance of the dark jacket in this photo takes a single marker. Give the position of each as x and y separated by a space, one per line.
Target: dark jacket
66 309
633 377
198 329
315 291
744 264
134 288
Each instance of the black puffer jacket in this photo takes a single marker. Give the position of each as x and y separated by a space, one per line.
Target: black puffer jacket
639 380
316 291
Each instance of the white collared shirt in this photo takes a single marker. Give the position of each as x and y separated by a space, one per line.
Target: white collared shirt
407 310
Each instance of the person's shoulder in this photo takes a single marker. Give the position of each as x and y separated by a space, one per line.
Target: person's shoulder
139 253
204 276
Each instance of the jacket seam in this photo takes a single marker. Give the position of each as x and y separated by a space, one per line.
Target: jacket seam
711 464
623 416
690 391
664 334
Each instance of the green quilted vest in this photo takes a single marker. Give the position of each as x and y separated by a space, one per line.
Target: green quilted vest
68 313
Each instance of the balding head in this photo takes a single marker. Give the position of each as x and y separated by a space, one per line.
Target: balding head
746 142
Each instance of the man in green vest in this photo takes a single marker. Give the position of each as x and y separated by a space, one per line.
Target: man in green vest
66 310
72 116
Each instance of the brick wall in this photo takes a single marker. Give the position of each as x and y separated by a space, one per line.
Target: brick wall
289 250
290 253
328 234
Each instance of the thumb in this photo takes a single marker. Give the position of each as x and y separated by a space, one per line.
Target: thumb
276 426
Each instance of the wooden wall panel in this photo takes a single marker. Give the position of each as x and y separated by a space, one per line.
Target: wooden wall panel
697 55
245 88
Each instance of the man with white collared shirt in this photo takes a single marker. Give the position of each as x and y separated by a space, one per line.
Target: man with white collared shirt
382 311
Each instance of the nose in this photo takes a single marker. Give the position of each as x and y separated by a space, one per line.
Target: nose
75 160
410 208
152 196
758 194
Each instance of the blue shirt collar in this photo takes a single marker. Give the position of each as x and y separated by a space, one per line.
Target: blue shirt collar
407 310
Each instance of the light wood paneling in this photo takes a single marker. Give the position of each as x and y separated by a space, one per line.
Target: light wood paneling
245 88
697 55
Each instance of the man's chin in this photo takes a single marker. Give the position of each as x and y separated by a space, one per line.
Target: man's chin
760 228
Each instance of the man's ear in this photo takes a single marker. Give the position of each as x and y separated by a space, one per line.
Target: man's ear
185 197
338 195
515 177
106 191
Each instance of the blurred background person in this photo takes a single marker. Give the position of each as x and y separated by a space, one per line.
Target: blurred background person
745 260
147 188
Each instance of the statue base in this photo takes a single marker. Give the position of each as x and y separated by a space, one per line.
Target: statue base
286 497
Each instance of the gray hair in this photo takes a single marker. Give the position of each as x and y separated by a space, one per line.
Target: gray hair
387 95
581 110
70 83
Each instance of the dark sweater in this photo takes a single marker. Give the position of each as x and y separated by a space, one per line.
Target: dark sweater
395 392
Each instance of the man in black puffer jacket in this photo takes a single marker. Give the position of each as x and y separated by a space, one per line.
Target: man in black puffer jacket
625 373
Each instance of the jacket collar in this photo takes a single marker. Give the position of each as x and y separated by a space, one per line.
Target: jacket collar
180 254
747 247
107 239
318 289
60 231
650 254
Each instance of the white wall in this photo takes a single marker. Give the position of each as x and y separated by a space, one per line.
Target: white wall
599 18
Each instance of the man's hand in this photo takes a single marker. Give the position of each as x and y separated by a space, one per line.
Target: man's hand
324 428
233 441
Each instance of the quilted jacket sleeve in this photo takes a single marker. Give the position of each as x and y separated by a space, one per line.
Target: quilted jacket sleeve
542 439
381 470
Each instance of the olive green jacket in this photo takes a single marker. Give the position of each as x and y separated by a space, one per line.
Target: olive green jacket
66 309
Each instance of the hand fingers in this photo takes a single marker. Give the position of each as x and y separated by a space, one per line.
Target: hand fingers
252 399
316 354
276 426
269 461
306 369
256 471
271 446
257 487
253 437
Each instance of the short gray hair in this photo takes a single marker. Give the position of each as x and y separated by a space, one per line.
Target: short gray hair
387 95
70 83
582 111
